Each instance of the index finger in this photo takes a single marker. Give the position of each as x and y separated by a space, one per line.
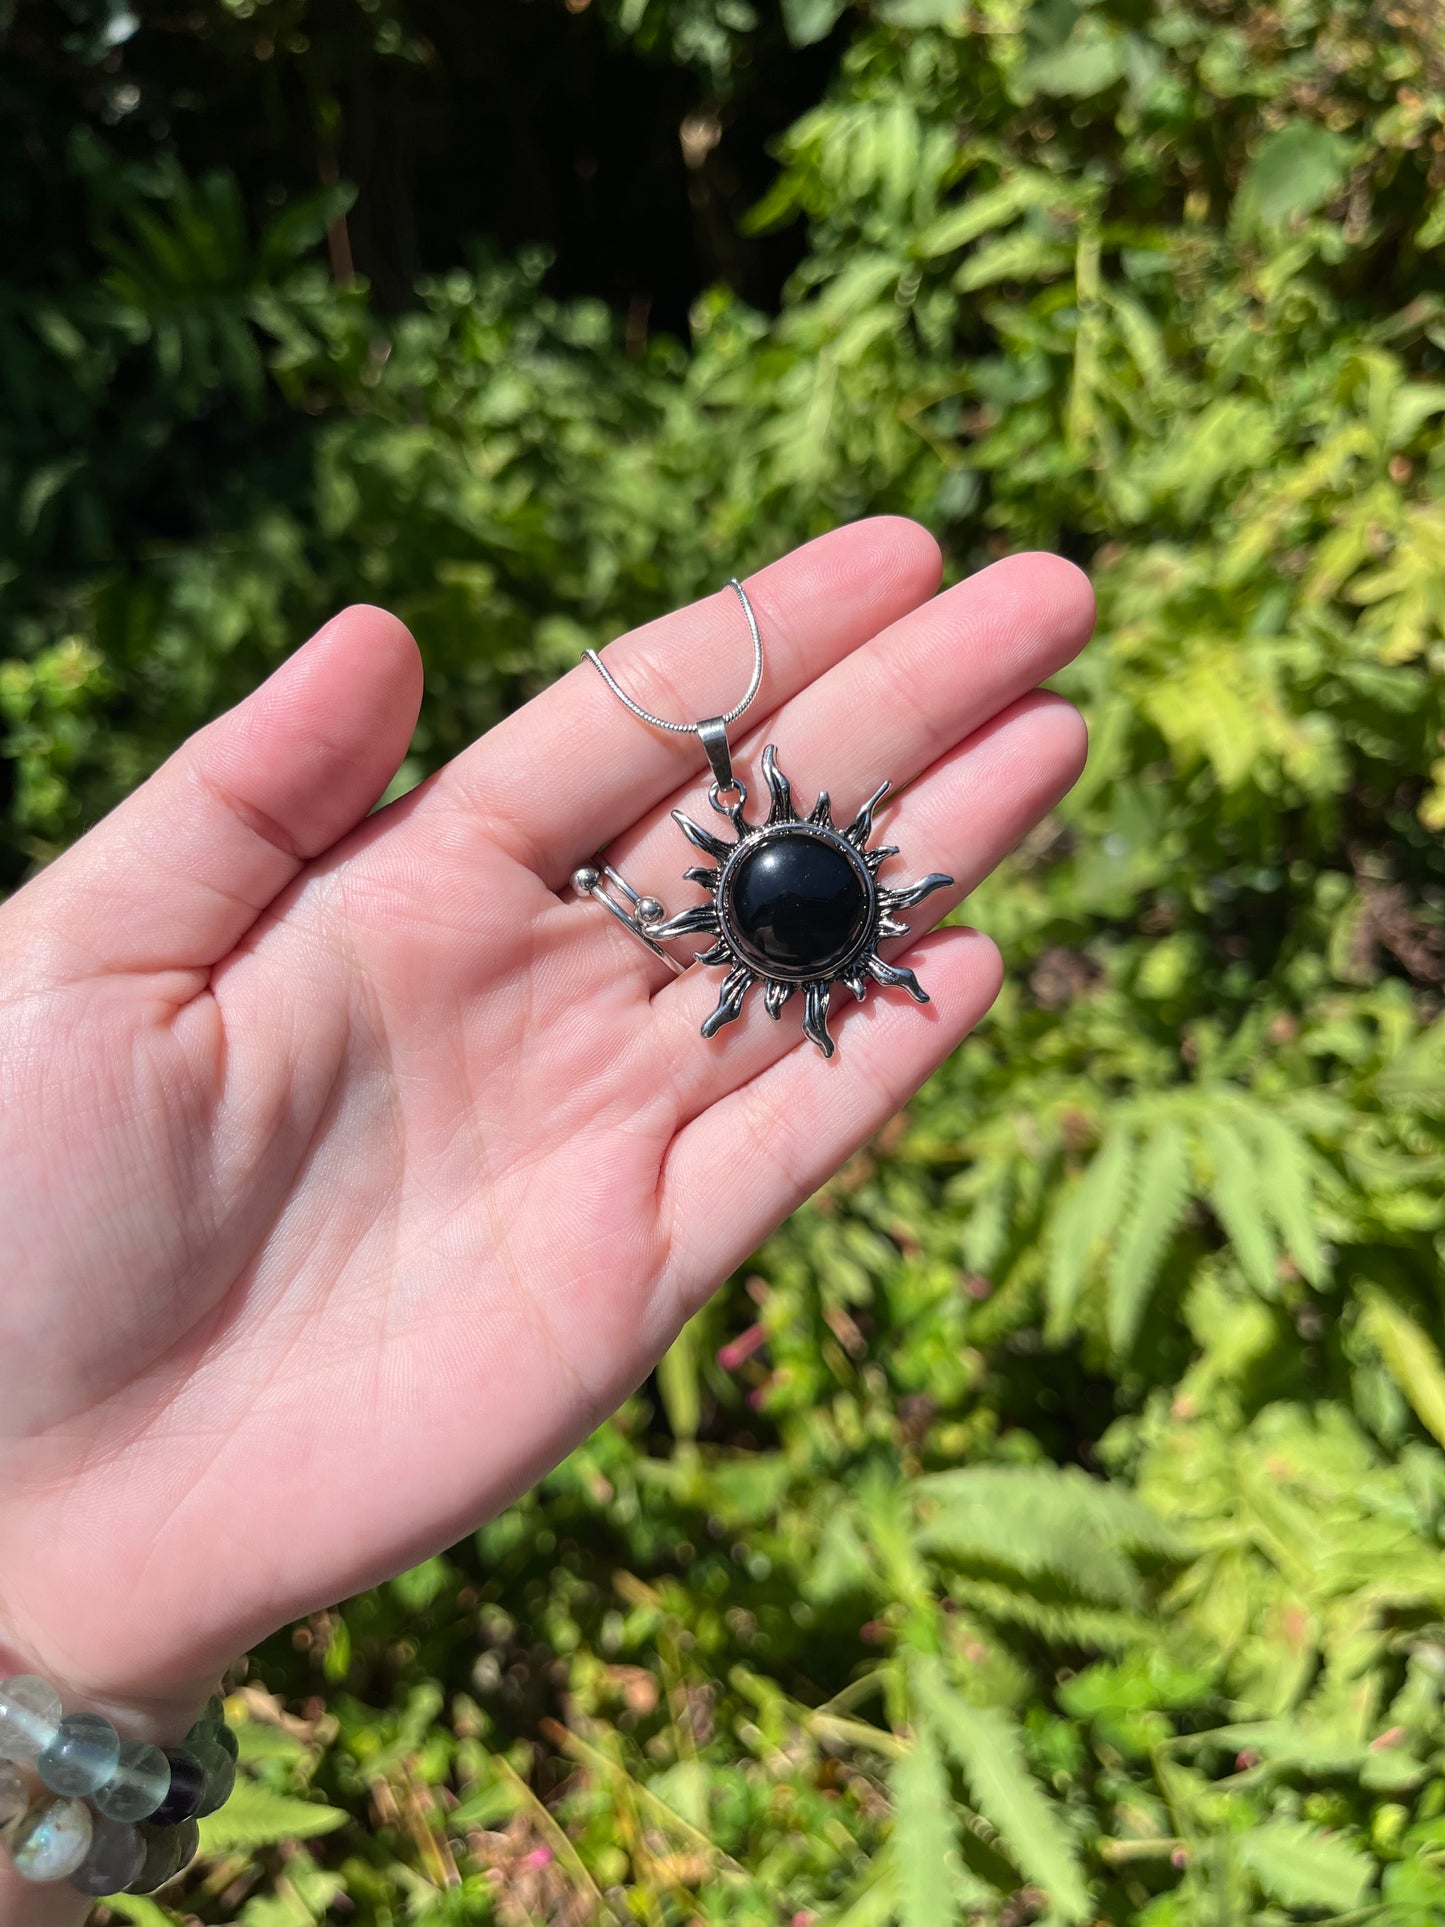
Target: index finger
572 769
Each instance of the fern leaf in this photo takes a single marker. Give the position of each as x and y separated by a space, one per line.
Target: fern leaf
1085 1219
1044 1519
1288 1191
255 1817
1060 1622
139 1911
1301 1867
986 1233
925 1835
1410 1358
1161 1195
1235 1194
877 1902
988 1748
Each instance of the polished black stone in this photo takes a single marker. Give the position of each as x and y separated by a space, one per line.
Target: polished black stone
796 905
188 1785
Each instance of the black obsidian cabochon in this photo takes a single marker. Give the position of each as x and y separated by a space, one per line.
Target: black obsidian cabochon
797 905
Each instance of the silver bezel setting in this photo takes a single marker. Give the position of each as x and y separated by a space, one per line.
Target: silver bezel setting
746 850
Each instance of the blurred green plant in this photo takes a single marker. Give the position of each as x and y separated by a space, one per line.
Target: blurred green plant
1049 1525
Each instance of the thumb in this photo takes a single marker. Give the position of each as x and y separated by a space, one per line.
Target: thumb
175 876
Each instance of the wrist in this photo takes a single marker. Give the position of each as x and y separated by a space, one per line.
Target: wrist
99 1794
158 1712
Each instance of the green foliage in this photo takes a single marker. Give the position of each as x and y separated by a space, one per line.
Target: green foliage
1066 1541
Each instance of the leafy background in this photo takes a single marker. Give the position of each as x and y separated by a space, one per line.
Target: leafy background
1046 1526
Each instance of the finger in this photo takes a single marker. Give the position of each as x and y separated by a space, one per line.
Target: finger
571 769
960 818
733 1174
890 709
175 876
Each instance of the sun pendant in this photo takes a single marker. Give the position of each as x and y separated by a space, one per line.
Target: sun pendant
795 904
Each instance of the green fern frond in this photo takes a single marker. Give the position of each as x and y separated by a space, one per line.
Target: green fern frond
139 1911
1234 1192
1058 1622
1161 1196
986 1233
925 1834
1287 1188
988 1748
1081 1225
255 1817
1028 1520
877 1904
1299 1866
1410 1358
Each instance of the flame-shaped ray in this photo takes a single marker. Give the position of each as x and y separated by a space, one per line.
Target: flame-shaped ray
736 986
858 984
861 828
702 839
907 894
780 788
775 996
821 812
895 974
881 855
687 923
891 926
815 1016
699 873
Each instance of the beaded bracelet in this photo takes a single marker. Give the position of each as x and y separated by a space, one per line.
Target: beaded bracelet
111 1816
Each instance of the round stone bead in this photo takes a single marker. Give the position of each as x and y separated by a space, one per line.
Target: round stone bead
82 1756
29 1716
183 1795
226 1738
796 905
220 1771
14 1794
188 1843
50 1839
117 1854
141 1780
210 1720
162 1858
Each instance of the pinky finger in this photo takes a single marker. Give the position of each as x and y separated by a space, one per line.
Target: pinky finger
734 1173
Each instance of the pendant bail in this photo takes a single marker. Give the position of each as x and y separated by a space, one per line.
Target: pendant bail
714 734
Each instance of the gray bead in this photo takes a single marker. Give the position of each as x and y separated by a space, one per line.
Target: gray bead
50 1839
220 1770
82 1756
29 1716
14 1794
117 1854
585 880
163 1846
210 1720
141 1780
187 1844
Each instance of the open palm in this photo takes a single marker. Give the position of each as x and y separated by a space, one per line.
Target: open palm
351 1170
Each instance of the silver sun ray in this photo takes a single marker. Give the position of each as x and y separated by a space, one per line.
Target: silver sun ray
736 985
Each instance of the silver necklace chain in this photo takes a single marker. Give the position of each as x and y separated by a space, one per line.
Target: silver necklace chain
690 729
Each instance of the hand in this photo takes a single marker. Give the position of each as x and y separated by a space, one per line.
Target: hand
351 1170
